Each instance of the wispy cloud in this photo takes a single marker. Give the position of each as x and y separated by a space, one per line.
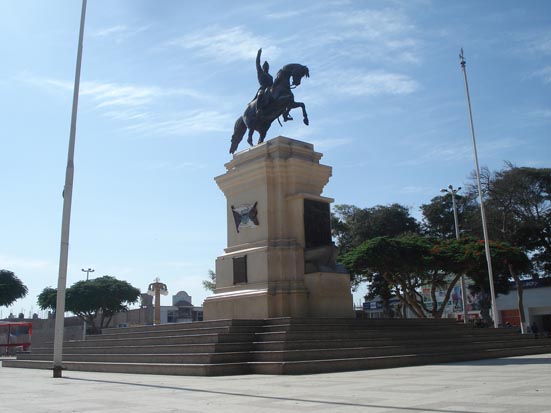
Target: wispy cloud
377 23
452 152
542 113
372 83
540 43
384 35
107 94
544 74
138 104
188 123
227 45
118 33
171 166
412 189
327 144
19 263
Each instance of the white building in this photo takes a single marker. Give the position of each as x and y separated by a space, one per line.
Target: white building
181 311
537 304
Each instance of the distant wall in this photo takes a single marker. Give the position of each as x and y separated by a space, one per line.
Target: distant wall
136 317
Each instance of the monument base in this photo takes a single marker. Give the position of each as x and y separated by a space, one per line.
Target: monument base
323 295
280 257
257 304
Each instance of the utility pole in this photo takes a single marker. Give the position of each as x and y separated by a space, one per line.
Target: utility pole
482 212
457 237
66 219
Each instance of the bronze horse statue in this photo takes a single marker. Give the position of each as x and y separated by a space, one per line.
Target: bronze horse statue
278 100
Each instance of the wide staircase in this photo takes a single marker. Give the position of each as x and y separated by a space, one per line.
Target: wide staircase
282 346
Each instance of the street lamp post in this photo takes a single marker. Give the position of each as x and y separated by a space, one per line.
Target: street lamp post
88 271
156 289
452 191
482 212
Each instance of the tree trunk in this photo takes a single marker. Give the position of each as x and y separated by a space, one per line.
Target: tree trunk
520 299
447 296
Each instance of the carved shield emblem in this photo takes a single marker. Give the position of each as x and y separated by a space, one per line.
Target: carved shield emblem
245 216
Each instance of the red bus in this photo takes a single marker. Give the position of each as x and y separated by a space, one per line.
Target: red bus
15 336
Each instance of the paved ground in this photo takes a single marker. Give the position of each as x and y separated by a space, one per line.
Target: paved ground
519 384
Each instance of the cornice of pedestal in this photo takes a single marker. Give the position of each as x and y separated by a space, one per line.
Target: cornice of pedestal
278 157
280 147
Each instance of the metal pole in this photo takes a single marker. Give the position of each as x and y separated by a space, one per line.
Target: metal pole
482 212
463 289
66 220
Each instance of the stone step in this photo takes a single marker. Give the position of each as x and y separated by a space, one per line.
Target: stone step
314 353
368 363
285 367
147 358
397 334
363 322
184 326
135 333
283 346
323 343
139 368
153 349
161 339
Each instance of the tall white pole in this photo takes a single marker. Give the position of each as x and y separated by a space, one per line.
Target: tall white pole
483 214
66 219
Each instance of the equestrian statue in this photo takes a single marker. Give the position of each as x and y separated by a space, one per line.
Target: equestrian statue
272 100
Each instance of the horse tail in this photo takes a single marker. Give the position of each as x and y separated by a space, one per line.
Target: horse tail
238 132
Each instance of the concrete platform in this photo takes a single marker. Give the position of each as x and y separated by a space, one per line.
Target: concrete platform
515 385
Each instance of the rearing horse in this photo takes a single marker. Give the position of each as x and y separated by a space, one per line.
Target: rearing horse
278 101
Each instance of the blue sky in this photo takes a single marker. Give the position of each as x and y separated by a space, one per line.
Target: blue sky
164 81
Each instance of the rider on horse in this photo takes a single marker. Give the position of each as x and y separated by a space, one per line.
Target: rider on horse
264 93
265 80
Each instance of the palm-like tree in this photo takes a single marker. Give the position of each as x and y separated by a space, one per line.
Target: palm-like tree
11 288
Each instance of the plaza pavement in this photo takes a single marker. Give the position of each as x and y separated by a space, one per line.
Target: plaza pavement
517 385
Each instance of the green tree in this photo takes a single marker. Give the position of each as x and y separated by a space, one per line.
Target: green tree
438 217
404 263
11 288
352 226
507 262
410 262
94 301
518 205
210 283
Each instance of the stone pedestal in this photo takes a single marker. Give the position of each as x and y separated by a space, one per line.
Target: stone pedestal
280 258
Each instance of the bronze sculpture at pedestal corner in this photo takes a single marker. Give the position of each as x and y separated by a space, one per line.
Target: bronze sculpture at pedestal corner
271 102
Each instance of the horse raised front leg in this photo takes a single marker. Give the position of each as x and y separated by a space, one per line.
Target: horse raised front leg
250 138
303 107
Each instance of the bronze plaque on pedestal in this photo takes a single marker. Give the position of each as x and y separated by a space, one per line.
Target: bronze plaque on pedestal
317 224
240 270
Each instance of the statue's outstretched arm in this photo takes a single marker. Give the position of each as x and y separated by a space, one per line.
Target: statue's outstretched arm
258 68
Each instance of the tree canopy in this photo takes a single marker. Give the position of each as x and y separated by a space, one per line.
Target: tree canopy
11 288
352 225
402 265
438 217
518 202
94 301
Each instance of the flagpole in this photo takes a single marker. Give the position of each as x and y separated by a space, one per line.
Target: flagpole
66 219
482 212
